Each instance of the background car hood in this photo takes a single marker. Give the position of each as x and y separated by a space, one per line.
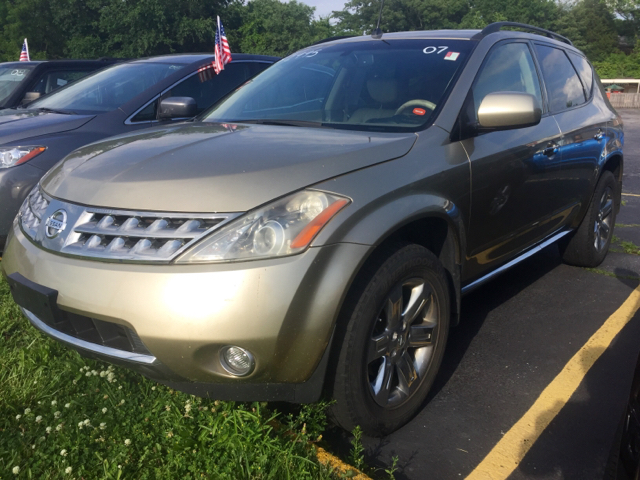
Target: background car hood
207 167
24 124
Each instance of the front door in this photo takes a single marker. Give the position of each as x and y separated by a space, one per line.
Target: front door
516 201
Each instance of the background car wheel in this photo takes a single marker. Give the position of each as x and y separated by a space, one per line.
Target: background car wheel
395 337
589 245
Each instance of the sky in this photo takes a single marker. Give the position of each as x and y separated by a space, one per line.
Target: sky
325 7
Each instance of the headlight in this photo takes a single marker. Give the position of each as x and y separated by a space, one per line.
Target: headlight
284 227
12 156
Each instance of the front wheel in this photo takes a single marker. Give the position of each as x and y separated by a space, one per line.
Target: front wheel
394 343
589 245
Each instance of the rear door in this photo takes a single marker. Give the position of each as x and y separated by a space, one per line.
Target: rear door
514 198
582 121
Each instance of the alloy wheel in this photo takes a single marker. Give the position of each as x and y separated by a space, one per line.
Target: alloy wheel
402 342
602 226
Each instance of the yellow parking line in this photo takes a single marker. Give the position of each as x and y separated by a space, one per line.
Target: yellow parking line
338 465
631 194
511 449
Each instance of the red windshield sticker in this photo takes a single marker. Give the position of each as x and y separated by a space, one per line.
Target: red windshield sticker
419 111
452 56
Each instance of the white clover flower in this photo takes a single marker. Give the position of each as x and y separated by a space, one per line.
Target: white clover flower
80 425
53 403
127 442
48 429
39 402
57 414
38 418
120 387
59 427
103 374
27 411
33 447
67 405
94 373
63 452
16 470
111 377
122 402
18 417
120 467
68 470
153 388
104 410
75 382
86 422
167 408
103 425
88 374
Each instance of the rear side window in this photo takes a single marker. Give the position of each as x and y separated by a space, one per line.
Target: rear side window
563 85
508 68
584 70
53 80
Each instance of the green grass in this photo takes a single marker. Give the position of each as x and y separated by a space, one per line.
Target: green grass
63 416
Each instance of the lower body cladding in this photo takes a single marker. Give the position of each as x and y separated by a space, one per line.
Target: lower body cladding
173 322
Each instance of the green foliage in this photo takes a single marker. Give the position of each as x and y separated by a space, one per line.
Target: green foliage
63 416
356 456
274 28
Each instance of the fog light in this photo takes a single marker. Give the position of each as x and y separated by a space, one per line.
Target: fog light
237 361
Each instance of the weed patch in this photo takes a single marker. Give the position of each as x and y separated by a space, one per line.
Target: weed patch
64 416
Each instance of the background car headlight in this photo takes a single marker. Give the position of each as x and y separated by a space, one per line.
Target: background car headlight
12 156
284 227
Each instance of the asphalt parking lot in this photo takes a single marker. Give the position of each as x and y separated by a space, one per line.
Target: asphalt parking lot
516 336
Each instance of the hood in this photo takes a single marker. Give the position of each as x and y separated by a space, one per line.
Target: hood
16 125
207 167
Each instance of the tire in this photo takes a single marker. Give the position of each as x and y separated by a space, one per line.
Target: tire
395 338
589 245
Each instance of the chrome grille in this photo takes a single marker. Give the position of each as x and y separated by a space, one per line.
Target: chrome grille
119 235
136 235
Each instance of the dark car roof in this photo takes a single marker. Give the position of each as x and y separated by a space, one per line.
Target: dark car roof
197 57
64 63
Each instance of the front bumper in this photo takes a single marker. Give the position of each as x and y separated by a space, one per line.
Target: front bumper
281 310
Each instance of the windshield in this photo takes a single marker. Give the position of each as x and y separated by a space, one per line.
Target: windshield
370 85
108 89
10 78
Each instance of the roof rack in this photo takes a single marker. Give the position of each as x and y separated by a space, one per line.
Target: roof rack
497 26
331 39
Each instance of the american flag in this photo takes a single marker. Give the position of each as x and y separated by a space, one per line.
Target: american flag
24 54
205 73
221 50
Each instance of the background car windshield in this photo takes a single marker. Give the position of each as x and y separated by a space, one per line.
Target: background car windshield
108 89
369 85
10 78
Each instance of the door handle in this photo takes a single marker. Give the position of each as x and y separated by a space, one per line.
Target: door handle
551 150
600 135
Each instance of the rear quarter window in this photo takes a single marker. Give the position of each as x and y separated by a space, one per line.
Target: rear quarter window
564 88
584 70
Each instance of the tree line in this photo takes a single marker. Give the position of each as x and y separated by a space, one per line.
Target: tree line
606 30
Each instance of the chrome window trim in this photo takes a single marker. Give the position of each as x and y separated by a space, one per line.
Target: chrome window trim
92 347
129 120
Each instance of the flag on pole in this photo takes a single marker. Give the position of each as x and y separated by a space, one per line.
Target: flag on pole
24 54
221 49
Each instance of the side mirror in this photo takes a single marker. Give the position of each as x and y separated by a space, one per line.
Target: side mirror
177 107
506 110
29 97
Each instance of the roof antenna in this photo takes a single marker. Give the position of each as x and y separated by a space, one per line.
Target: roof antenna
377 33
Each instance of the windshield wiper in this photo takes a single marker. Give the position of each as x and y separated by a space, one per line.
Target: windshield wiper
286 123
53 110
